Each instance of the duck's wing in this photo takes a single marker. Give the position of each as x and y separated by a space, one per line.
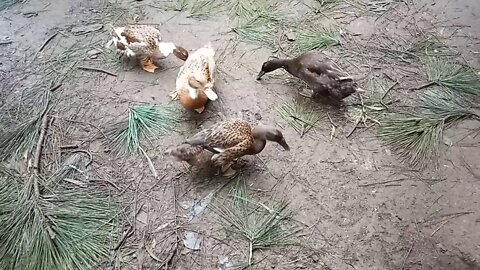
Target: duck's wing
223 135
139 37
327 68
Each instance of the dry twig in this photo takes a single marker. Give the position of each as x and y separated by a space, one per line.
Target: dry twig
98 70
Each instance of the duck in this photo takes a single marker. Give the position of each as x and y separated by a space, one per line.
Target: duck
194 84
144 43
322 75
226 141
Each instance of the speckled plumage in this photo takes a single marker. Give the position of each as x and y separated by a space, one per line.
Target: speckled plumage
321 74
229 140
144 42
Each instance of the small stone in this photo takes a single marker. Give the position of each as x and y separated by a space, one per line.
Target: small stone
290 36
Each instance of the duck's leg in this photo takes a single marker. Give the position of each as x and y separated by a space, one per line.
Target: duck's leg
148 65
302 92
228 171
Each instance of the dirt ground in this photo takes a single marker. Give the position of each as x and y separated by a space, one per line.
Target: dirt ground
356 204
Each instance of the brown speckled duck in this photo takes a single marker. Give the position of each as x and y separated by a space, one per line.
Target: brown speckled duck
225 142
144 43
322 75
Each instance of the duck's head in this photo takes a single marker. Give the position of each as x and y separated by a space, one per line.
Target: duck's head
180 53
269 133
270 66
166 48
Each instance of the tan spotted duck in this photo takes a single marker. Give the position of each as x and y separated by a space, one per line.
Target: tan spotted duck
195 82
225 142
144 43
322 75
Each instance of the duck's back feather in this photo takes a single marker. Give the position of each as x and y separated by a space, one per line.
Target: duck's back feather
322 75
223 135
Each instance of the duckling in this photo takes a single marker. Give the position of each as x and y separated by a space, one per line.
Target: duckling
194 85
227 141
322 75
143 42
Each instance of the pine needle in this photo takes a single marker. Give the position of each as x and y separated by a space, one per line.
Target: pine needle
328 4
447 104
144 123
431 45
65 227
415 139
309 40
261 225
202 8
256 21
4 4
23 138
452 75
298 115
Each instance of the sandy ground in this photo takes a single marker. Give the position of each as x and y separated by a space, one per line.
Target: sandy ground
351 215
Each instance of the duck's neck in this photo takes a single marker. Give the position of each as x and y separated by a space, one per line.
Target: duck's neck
258 145
192 92
279 63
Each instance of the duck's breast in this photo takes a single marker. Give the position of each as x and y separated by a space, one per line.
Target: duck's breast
190 103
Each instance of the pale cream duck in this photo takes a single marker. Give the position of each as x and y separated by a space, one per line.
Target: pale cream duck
194 84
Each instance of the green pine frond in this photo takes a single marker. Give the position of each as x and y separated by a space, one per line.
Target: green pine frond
309 40
261 225
299 115
64 227
415 139
456 77
144 123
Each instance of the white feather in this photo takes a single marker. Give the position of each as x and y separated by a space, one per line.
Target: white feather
166 48
221 150
192 92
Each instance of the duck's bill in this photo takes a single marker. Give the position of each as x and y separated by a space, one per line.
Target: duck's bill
260 75
284 144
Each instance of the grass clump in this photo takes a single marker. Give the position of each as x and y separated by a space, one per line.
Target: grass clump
310 40
144 122
62 227
457 77
299 115
261 225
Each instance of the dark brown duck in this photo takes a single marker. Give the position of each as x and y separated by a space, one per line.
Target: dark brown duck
321 74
